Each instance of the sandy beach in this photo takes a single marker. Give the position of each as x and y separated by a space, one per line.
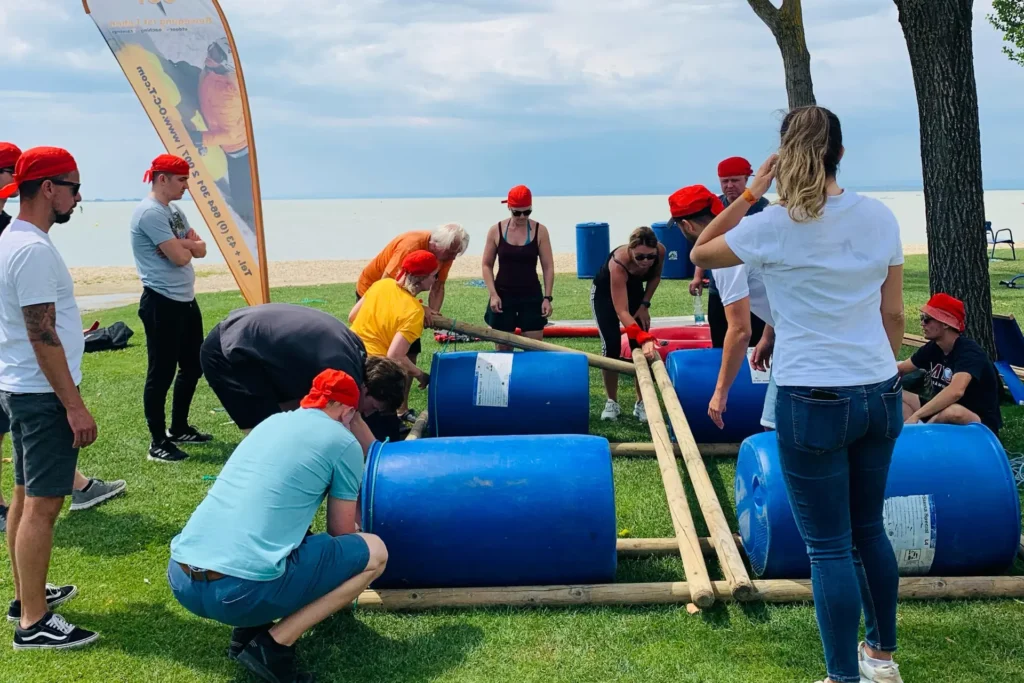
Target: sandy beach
108 280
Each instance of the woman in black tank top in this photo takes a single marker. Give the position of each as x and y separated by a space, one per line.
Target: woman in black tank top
516 298
621 293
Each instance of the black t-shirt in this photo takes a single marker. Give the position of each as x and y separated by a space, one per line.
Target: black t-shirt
982 394
291 345
5 220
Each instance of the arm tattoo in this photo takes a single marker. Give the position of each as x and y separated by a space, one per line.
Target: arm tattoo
41 323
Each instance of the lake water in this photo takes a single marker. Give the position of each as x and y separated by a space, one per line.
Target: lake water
358 228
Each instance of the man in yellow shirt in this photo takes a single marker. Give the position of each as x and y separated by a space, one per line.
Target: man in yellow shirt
389 318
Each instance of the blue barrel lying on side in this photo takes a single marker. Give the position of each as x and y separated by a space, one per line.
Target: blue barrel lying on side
492 511
593 244
951 507
535 392
678 265
694 374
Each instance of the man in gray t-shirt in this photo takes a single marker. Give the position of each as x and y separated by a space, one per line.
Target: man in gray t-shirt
164 245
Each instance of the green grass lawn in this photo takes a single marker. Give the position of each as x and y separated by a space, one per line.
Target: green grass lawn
117 554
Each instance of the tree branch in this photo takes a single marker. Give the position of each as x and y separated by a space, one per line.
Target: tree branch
768 12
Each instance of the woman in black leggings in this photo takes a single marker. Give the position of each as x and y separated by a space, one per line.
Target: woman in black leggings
622 293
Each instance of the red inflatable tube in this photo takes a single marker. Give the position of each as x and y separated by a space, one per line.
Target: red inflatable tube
678 332
667 346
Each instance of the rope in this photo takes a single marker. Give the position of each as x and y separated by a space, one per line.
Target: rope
1017 467
449 337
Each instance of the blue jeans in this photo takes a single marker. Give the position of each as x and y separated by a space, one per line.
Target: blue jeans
835 446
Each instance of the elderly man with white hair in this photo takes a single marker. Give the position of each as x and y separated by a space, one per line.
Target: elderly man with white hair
446 242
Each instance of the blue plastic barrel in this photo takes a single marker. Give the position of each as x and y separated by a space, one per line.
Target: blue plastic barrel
951 507
592 248
478 394
678 265
694 374
492 511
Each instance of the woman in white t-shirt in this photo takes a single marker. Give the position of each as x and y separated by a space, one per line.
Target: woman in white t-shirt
833 269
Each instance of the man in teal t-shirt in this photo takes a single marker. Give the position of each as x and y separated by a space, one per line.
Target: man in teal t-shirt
245 559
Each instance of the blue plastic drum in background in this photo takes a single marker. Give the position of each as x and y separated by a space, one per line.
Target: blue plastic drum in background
492 511
678 265
694 374
533 392
592 248
951 509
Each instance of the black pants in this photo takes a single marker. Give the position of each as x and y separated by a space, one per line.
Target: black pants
719 325
174 335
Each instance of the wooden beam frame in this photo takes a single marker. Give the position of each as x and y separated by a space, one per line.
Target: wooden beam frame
640 449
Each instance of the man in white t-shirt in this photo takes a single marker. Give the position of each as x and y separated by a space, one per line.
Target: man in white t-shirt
742 292
41 346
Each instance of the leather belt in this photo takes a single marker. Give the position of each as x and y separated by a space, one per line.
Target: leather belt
200 574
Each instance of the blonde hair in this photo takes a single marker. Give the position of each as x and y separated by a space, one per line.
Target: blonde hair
644 236
811 144
412 282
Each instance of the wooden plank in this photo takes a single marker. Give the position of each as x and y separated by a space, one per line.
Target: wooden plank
418 427
682 521
656 547
640 449
679 592
718 526
486 333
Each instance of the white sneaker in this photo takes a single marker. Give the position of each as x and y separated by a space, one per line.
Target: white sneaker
639 412
877 671
611 410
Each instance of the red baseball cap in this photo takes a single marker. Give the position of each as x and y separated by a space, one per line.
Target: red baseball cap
332 385
519 197
9 154
734 166
947 310
38 163
419 263
692 200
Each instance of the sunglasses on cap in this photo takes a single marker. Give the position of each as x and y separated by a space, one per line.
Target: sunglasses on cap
75 187
524 212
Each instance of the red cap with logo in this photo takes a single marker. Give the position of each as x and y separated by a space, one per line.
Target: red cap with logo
332 385
692 200
38 163
519 197
947 310
166 163
734 166
9 154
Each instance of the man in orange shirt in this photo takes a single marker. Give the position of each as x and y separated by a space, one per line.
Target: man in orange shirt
446 242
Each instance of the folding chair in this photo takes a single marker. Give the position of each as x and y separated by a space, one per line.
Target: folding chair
992 236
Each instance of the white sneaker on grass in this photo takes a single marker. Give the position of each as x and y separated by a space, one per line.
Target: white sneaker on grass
611 410
639 412
877 670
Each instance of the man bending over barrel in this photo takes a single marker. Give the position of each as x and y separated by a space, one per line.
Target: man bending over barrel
742 292
244 557
260 360
961 379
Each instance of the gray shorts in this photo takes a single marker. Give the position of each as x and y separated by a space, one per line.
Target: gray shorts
44 458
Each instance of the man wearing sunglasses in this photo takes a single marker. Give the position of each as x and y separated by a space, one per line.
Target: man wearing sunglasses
40 374
961 380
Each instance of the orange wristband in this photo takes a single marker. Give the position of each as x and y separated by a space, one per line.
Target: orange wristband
748 196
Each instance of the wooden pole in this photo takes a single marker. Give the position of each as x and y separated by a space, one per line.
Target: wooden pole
682 520
718 527
657 547
679 592
708 450
497 336
418 427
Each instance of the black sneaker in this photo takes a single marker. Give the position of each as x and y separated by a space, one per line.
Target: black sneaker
3 519
241 636
165 451
272 662
189 435
52 633
55 595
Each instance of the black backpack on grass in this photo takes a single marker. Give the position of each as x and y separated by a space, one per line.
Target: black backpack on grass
108 338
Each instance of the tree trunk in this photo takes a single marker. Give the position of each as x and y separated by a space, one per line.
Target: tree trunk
939 40
787 25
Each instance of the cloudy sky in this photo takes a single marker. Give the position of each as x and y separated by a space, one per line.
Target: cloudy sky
357 98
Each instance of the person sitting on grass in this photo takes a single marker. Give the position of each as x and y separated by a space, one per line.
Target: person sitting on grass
245 559
744 299
389 319
962 380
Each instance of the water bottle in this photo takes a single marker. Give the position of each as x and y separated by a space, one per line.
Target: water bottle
698 310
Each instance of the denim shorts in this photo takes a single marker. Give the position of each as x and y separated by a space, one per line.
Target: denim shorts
45 458
5 422
770 397
320 564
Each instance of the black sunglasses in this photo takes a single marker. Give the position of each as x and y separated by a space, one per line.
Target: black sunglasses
644 257
75 187
925 319
526 212
7 170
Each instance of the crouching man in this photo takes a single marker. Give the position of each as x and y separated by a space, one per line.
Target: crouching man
244 558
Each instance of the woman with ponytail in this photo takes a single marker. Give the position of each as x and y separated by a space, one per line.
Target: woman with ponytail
832 264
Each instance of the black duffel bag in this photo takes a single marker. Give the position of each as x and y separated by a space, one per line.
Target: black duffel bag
108 338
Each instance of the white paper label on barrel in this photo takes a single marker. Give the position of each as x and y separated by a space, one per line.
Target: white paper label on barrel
757 376
493 377
910 525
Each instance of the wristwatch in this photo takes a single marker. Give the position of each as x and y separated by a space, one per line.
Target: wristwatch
645 303
550 298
